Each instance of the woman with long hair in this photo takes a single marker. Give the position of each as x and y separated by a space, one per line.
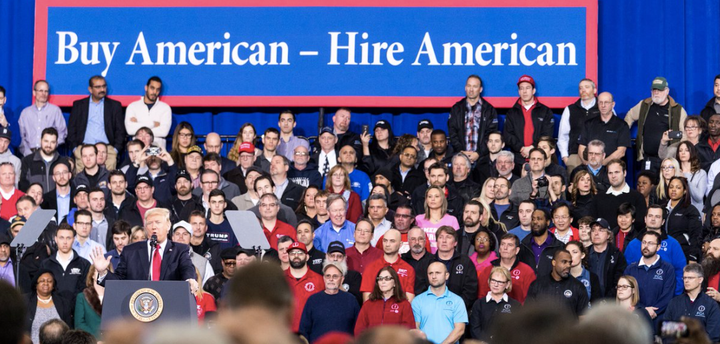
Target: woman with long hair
306 208
496 304
339 183
88 305
582 195
689 160
387 304
487 193
204 300
578 269
435 215
247 133
138 234
683 221
183 138
668 168
378 151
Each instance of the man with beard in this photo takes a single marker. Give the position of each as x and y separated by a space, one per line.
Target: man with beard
302 171
424 133
352 280
419 256
539 247
448 325
303 281
559 286
472 213
669 249
505 211
305 233
467 188
693 303
135 212
655 277
572 123
528 187
333 310
403 220
594 165
391 257
184 201
59 199
120 197
92 174
471 121
150 112
522 274
36 167
441 151
655 115
151 166
711 267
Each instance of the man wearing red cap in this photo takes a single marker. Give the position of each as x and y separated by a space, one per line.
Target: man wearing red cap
471 121
526 122
301 279
246 159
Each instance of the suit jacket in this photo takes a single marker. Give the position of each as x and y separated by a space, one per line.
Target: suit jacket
135 263
114 123
50 202
292 195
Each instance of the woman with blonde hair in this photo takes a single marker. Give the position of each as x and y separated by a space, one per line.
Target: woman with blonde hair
487 194
435 215
338 182
496 304
668 168
205 301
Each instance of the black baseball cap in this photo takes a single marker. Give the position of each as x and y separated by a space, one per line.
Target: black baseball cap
425 123
336 246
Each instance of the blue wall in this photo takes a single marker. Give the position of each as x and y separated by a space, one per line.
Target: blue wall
638 40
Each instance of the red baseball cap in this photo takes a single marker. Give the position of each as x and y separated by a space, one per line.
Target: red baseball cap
528 79
297 246
246 147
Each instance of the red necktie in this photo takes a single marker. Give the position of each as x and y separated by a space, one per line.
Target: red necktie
156 264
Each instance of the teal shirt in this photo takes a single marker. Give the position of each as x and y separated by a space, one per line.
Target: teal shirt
437 315
86 318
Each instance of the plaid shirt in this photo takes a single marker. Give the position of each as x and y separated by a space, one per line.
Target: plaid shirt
472 125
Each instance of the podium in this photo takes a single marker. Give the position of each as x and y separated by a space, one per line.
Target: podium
148 302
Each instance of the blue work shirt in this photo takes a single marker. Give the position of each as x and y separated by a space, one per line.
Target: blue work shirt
326 234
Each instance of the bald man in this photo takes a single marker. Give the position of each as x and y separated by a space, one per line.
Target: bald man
448 325
392 240
213 144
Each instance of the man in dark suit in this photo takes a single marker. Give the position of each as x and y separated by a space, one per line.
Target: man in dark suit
289 193
168 261
87 125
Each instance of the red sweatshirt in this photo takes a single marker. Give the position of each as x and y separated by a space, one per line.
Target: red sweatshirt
384 312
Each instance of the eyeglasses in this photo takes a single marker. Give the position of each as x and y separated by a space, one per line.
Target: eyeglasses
494 281
688 278
230 263
185 135
384 278
480 239
332 276
624 286
210 182
301 153
84 224
667 168
691 127
363 231
296 253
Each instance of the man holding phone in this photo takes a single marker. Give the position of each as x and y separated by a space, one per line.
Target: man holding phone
608 128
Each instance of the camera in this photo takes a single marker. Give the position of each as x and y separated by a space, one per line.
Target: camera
153 151
542 182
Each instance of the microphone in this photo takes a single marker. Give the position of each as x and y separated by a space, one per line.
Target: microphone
153 241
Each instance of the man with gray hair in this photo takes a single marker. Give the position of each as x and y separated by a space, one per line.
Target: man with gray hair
572 122
52 331
607 128
287 191
338 228
655 115
505 164
377 208
461 166
595 165
694 303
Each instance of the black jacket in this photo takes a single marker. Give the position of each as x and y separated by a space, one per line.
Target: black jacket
211 251
50 202
70 281
131 214
455 203
463 279
456 125
292 196
34 170
544 265
415 178
180 210
420 267
706 154
467 188
543 122
510 217
378 158
164 182
236 176
583 206
602 183
634 233
63 306
683 224
614 268
114 123
708 110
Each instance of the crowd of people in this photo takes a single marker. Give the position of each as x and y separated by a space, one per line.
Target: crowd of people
445 234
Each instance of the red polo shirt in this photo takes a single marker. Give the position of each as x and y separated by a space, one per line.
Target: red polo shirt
405 247
359 261
522 275
302 289
281 229
403 269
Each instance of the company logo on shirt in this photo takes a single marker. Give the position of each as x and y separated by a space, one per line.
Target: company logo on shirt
586 283
516 272
355 185
402 272
395 308
568 293
658 275
700 312
75 271
663 246
507 308
459 269
309 287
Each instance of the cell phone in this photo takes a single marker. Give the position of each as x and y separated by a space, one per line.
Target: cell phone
365 128
153 150
675 134
673 329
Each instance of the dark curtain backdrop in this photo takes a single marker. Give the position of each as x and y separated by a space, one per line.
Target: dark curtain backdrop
638 40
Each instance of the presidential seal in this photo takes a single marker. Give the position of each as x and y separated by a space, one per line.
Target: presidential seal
146 305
